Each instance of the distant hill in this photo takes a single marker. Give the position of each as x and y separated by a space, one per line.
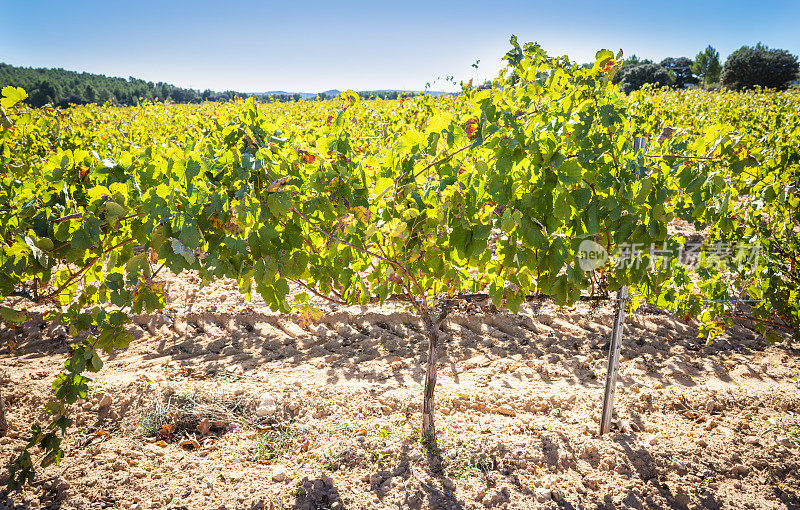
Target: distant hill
329 94
60 87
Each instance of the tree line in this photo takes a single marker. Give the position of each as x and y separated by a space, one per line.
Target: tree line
59 87
746 68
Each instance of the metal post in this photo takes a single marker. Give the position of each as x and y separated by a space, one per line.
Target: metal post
615 344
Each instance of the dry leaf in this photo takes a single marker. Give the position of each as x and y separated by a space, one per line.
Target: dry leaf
611 63
204 427
11 343
362 432
161 443
192 443
277 183
307 157
471 128
252 144
167 429
667 133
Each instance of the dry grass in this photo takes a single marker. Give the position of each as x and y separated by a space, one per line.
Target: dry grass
185 414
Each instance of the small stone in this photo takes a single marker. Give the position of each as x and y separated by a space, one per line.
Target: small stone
682 499
136 506
388 484
267 405
711 424
679 466
105 402
543 495
624 426
120 465
740 470
506 410
278 473
751 440
448 485
375 479
710 406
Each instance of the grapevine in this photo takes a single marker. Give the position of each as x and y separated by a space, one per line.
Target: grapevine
422 199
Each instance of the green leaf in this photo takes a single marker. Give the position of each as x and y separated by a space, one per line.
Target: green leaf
569 172
279 204
411 139
37 252
158 237
138 265
16 317
439 122
95 363
113 338
81 240
114 210
12 96
602 57
179 249
561 208
383 184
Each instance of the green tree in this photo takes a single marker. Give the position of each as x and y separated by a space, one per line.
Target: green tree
633 77
681 68
760 66
45 93
706 66
90 94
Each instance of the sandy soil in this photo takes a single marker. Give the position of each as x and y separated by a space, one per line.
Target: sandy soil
335 407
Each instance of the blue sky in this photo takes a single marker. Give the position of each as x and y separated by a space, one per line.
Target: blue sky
313 46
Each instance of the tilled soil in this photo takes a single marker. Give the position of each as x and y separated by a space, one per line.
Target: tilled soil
324 414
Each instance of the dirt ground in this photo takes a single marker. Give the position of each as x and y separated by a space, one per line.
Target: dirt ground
272 411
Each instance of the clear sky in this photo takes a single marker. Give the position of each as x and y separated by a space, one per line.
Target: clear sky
310 46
